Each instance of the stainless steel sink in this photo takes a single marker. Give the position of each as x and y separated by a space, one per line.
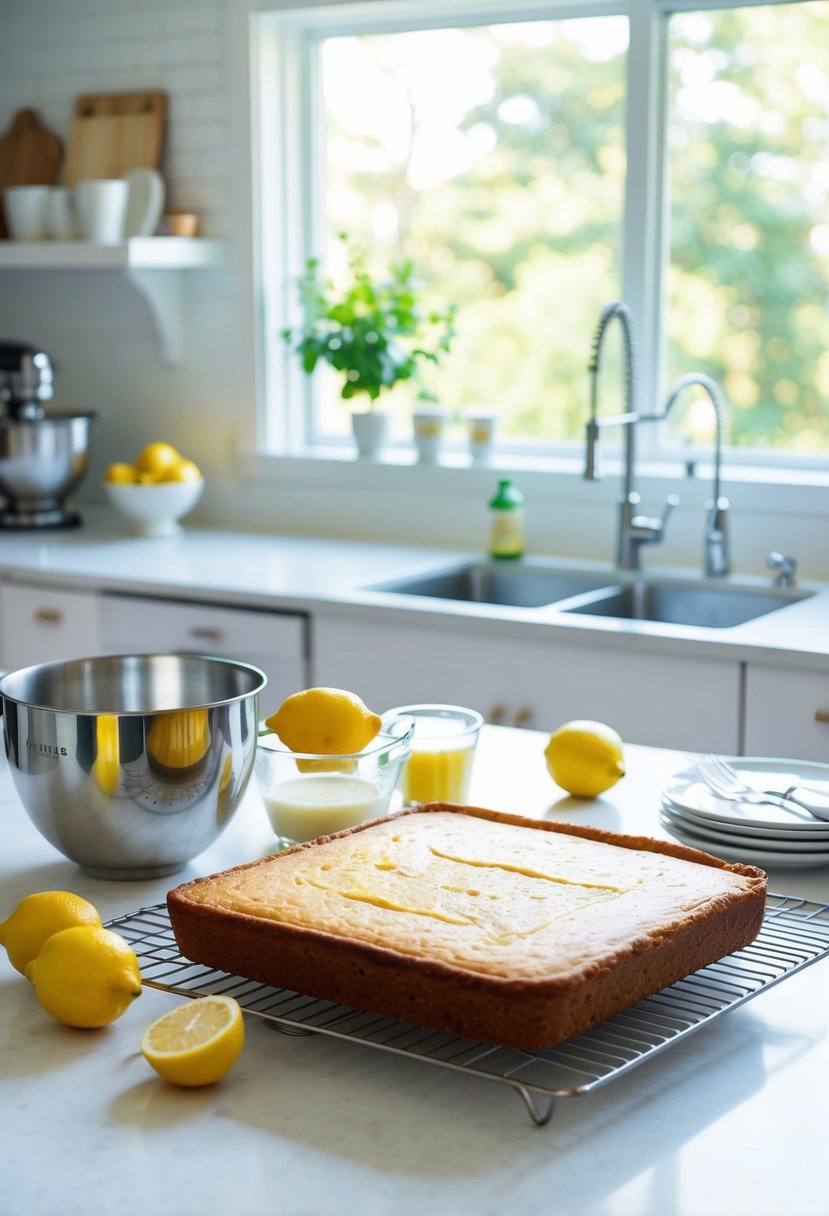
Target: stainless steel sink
678 603
527 585
518 586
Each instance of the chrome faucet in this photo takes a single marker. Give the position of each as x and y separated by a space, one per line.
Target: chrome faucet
633 530
784 568
717 559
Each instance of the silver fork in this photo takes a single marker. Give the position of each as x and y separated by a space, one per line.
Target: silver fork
722 779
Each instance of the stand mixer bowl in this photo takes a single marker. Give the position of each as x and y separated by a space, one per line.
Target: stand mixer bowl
42 456
42 460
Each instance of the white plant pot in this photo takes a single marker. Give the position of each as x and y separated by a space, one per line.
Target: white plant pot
370 432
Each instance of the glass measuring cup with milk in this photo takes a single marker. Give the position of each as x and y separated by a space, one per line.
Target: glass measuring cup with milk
307 795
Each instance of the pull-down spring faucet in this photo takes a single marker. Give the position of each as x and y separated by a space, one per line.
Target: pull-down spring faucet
633 530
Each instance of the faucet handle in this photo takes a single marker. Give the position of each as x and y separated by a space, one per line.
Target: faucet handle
785 567
656 527
651 529
671 503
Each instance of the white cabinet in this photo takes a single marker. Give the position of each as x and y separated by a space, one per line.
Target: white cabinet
276 642
662 700
43 624
787 713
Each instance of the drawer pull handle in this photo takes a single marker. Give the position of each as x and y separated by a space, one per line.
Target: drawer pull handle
497 715
205 634
822 715
48 616
523 717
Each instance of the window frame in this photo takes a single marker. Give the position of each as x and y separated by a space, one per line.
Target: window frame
287 169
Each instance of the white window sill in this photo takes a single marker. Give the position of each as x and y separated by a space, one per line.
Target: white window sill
548 480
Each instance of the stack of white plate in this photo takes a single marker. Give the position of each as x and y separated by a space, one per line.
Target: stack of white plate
762 835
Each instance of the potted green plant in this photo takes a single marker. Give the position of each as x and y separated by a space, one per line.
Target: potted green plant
374 331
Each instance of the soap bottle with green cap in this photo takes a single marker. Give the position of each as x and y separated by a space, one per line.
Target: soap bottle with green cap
506 513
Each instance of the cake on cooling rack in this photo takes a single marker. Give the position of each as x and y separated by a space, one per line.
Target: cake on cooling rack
492 926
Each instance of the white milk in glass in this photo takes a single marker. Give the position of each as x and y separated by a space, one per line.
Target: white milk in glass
307 807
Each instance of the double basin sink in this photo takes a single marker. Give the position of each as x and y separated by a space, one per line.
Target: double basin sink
665 600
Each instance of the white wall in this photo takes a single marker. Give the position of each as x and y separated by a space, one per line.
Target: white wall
95 325
101 335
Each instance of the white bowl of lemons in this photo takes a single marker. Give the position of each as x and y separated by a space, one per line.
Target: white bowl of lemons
156 490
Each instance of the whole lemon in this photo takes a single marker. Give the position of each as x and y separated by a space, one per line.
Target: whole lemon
179 739
37 917
182 470
120 474
153 459
195 1043
85 976
325 722
107 764
585 758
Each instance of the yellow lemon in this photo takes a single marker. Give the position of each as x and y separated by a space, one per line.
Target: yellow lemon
121 474
325 722
179 739
85 976
37 917
195 1043
155 458
107 764
182 470
585 758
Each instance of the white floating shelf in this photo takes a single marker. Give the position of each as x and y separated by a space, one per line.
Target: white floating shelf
152 265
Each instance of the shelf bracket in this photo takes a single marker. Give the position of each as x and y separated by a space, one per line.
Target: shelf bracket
162 292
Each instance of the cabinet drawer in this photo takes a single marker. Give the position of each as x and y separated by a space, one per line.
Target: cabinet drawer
275 642
787 713
41 625
662 700
150 624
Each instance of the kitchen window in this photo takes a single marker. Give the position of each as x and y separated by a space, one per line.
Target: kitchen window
536 162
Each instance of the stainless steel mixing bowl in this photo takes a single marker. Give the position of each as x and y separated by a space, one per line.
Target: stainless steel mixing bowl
41 462
131 765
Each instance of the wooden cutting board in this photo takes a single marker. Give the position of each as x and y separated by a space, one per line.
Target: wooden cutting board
29 156
112 133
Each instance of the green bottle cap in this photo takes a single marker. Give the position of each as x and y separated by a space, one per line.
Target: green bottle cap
507 497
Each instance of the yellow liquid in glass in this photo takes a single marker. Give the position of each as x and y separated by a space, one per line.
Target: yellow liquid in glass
438 776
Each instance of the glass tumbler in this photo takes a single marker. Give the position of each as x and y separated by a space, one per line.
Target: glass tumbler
439 768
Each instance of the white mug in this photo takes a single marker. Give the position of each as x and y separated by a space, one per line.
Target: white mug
481 436
102 209
60 214
26 212
429 426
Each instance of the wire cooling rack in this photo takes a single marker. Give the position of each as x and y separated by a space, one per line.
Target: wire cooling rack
795 933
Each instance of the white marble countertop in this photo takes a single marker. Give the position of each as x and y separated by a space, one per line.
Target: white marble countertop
731 1120
335 576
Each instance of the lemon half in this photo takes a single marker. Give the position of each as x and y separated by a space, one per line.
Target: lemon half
195 1043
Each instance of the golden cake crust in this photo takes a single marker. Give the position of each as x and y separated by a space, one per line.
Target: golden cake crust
493 926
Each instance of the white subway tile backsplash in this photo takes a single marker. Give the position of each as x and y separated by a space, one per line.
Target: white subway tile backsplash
200 107
201 19
200 78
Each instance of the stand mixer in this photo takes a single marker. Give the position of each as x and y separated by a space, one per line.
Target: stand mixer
43 457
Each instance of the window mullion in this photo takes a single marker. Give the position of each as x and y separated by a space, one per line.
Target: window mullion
645 202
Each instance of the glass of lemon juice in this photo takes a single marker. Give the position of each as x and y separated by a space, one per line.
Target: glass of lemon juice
439 768
310 795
